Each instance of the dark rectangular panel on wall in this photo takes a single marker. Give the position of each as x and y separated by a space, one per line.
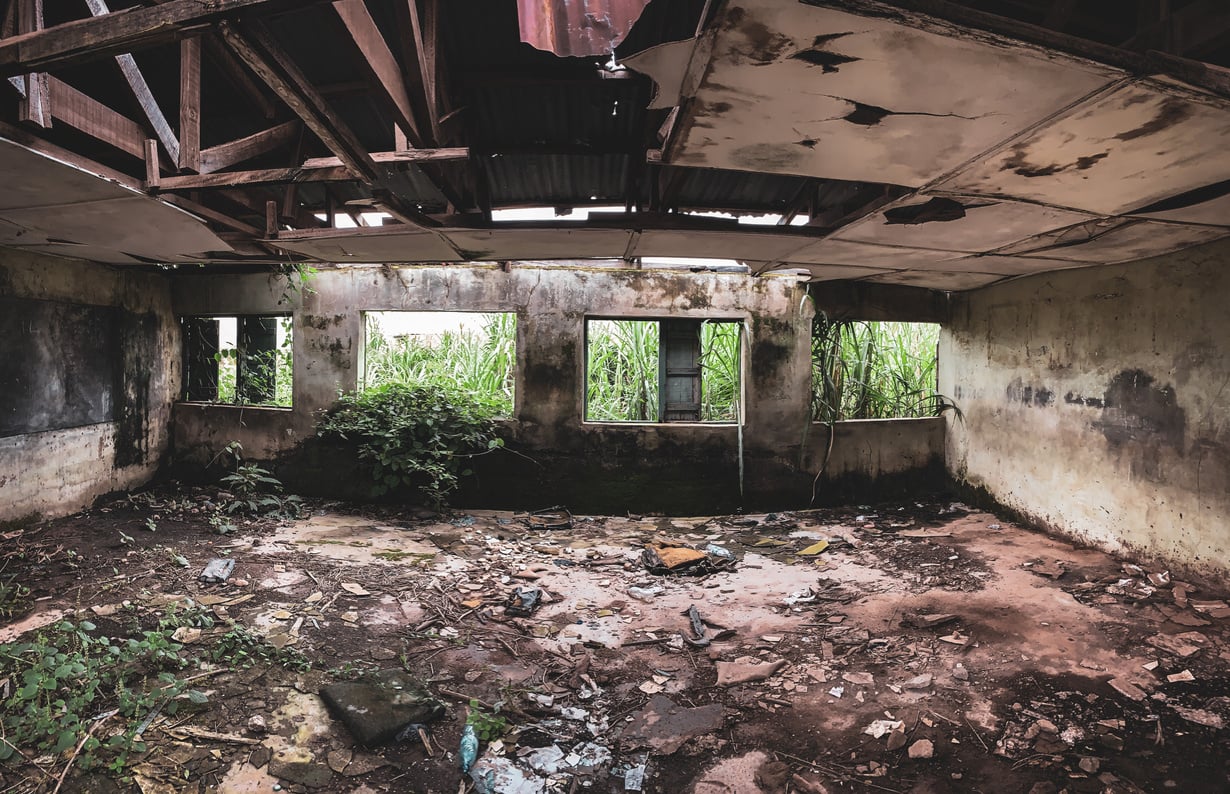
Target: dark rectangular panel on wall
679 376
200 362
58 365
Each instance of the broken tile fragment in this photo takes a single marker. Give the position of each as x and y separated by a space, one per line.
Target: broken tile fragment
746 669
663 727
1127 689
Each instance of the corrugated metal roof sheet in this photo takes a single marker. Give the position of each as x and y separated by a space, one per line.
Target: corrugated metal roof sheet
554 179
606 114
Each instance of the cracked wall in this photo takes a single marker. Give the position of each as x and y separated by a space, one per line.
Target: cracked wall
1095 404
85 382
589 466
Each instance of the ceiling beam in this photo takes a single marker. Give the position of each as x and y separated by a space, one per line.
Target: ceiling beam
1185 31
227 154
127 30
141 91
256 47
419 56
317 169
190 104
95 119
34 105
382 68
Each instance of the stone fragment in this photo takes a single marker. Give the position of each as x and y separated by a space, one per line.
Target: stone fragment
918 682
1200 717
1127 689
745 670
923 748
859 679
338 759
257 725
298 765
1090 765
896 739
376 711
663 726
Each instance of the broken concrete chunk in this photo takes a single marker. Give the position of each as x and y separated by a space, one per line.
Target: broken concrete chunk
375 711
1184 676
1200 717
745 670
663 726
924 621
861 679
1127 689
1182 645
298 765
896 740
918 682
923 748
218 570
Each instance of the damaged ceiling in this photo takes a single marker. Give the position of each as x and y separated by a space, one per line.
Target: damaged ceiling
915 142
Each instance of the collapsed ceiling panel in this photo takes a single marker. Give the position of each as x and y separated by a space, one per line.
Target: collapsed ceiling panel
386 244
953 223
832 272
541 243
795 89
840 252
747 245
67 211
1138 144
933 279
1111 242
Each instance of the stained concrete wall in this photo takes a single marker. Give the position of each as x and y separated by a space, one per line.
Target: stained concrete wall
590 466
74 460
1097 403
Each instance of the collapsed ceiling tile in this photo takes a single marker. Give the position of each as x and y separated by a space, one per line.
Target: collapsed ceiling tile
383 244
668 65
831 272
1208 205
860 254
795 89
957 223
1138 144
1110 242
539 243
937 279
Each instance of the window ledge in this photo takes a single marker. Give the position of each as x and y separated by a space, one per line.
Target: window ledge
237 406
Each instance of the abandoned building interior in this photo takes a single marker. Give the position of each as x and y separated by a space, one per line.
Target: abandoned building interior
677 396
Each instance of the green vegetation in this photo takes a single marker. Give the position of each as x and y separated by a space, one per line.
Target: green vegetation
276 366
254 490
240 647
420 436
477 362
874 370
622 371
488 725
70 679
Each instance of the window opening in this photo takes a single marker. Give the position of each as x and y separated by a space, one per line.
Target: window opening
874 370
241 360
473 351
672 370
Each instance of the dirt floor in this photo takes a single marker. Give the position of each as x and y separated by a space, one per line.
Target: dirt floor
925 648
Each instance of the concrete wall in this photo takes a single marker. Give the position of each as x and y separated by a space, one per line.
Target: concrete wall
1097 403
65 467
590 466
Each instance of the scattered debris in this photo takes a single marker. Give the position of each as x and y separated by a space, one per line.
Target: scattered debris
523 602
218 570
376 710
923 748
663 727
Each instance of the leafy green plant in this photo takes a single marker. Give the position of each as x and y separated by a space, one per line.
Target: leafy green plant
420 436
13 596
69 674
489 725
240 647
254 490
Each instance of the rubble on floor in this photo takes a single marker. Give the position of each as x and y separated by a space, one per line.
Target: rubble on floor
919 647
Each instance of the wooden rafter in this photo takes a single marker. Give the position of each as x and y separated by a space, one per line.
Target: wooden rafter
128 30
141 91
95 119
256 47
190 105
227 154
34 106
419 55
382 67
317 169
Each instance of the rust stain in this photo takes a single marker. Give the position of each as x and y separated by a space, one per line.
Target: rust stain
1019 163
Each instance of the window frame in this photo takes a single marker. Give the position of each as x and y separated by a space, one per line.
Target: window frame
186 355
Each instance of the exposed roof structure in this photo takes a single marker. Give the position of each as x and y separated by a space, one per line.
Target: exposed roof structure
916 142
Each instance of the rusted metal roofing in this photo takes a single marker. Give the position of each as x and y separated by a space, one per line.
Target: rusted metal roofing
577 27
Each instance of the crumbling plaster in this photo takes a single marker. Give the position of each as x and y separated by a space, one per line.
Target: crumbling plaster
62 470
551 306
1095 403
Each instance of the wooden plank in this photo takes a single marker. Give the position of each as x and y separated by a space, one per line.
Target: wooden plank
95 119
380 64
215 158
127 30
264 176
153 175
140 90
264 57
213 215
190 105
34 107
419 57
